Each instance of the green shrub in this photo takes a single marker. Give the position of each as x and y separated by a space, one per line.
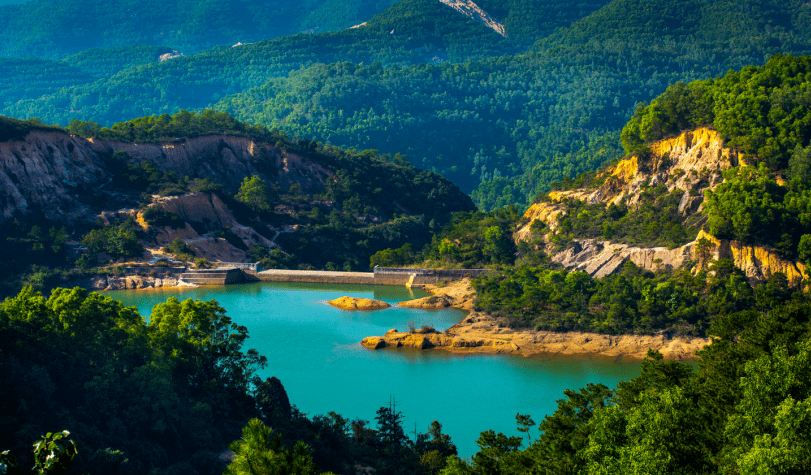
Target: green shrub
157 216
117 241
180 250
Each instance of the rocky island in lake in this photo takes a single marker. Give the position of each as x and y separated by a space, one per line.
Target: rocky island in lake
357 303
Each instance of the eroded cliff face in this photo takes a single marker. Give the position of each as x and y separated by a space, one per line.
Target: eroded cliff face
603 258
228 159
694 160
688 164
65 178
205 215
42 175
757 262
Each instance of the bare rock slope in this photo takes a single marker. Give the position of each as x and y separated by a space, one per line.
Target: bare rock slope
68 179
689 164
64 177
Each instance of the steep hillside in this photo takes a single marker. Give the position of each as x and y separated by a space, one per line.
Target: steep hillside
228 192
85 85
424 31
686 166
682 25
526 121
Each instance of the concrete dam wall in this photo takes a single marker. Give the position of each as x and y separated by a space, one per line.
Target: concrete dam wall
327 277
380 276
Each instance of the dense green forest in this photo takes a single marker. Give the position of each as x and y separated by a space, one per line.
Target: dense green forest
470 240
526 120
54 29
535 118
745 408
168 396
133 406
411 32
630 301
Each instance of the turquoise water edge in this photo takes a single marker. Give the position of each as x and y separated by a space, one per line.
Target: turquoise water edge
314 349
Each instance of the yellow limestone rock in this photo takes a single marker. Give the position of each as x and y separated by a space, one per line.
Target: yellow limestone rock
374 342
456 294
757 262
482 333
547 213
432 303
356 303
627 169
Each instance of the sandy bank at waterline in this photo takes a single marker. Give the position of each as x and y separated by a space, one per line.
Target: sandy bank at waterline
481 333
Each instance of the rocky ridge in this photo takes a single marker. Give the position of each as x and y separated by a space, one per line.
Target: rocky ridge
67 179
64 177
689 164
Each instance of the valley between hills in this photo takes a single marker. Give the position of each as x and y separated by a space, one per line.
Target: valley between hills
630 180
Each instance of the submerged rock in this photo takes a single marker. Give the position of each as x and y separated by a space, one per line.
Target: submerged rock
355 303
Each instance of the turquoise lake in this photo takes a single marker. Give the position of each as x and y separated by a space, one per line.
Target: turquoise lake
314 349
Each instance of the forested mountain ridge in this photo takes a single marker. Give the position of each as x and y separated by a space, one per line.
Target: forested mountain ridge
224 190
707 214
648 210
409 32
526 120
531 119
54 29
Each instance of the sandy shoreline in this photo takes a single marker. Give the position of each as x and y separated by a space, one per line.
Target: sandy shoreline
477 333
480 333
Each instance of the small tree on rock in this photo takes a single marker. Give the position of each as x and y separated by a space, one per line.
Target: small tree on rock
254 193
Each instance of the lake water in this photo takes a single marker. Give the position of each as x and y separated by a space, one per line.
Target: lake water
314 349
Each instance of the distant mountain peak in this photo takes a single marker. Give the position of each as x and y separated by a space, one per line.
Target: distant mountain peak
473 11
